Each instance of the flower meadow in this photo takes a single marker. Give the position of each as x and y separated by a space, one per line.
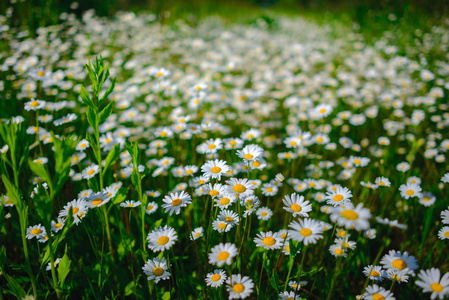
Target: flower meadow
146 160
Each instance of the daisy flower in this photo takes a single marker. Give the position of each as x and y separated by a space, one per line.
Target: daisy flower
221 226
162 238
84 193
34 104
151 207
79 210
432 282
196 233
382 181
36 231
250 153
337 251
215 168
351 217
229 217
375 292
130 203
216 190
443 234
374 272
445 216
445 178
190 170
264 213
57 225
403 167
222 254
82 145
394 260
239 287
427 199
41 160
268 240
410 190
216 278
224 201
340 196
399 276
97 199
269 189
233 143
55 264
289 296
307 231
174 202
296 205
153 194
156 269
90 171
239 187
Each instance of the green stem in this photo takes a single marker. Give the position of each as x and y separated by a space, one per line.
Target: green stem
334 278
300 270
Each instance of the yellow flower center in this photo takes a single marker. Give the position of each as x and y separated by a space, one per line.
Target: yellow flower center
222 225
212 146
36 231
163 240
410 192
296 208
97 201
201 182
269 241
75 210
322 111
306 232
158 271
163 134
58 225
338 251
374 274
256 164
229 219
238 288
90 172
338 198
40 73
150 207
216 170
189 172
357 161
224 201
345 245
269 190
446 234
176 202
399 264
130 205
239 188
264 214
223 255
436 287
349 214
248 156
214 193
215 277
378 296
319 140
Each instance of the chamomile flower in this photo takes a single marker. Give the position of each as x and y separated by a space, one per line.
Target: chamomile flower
90 171
268 240
427 199
269 189
174 202
196 233
432 282
36 231
443 234
82 145
375 273
239 287
264 213
296 205
34 104
394 260
222 254
55 264
216 190
351 217
130 203
57 225
250 153
375 292
162 238
239 187
97 199
229 217
307 231
398 276
382 181
224 201
410 190
216 278
339 197
221 226
289 296
151 207
79 209
156 269
337 251
215 168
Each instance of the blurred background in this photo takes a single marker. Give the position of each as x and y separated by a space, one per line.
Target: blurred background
366 13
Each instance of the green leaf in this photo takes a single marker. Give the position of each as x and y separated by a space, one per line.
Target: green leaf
63 268
157 223
275 281
12 191
2 256
15 287
121 195
166 296
92 118
85 97
39 170
112 156
106 112
129 288
109 90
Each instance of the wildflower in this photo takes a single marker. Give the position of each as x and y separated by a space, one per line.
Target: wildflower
443 234
162 238
34 104
222 254
97 199
264 213
383 181
221 226
224 201
239 287
57 225
82 145
174 202
375 292
307 231
398 276
394 260
196 233
79 209
239 187
289 296
410 190
268 240
90 171
340 196
216 278
296 205
374 272
337 251
431 281
229 217
156 269
55 264
151 207
250 153
351 217
36 231
215 168
130 203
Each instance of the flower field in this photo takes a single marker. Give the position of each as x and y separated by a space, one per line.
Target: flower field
277 159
